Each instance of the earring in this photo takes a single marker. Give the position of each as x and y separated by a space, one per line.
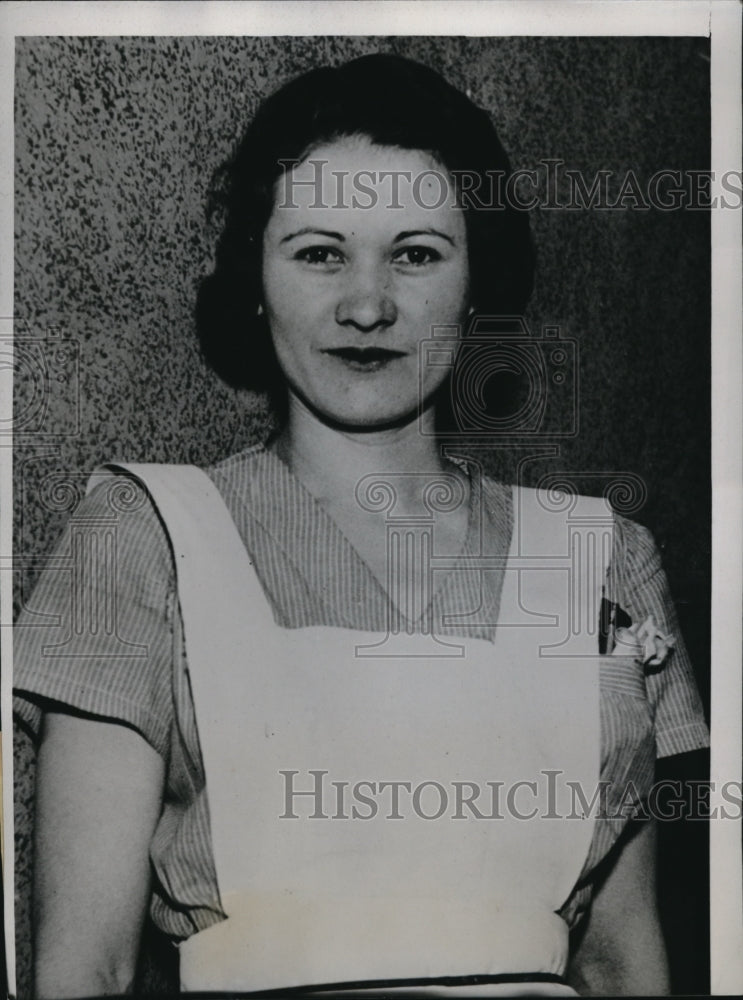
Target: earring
260 309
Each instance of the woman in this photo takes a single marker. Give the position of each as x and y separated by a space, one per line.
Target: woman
378 794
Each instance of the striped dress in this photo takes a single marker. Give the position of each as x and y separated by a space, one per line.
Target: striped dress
103 635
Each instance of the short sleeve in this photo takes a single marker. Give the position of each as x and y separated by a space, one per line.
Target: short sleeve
639 586
96 635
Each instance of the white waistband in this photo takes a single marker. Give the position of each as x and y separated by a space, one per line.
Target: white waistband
530 988
371 939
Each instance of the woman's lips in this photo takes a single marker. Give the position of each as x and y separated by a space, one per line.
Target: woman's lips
364 359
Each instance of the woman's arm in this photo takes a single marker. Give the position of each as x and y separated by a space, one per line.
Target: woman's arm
621 950
98 799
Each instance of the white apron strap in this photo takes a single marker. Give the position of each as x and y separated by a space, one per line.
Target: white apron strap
561 545
217 586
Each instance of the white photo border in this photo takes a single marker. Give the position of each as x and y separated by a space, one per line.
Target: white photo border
720 19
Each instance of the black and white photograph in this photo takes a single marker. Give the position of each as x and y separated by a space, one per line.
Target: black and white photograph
366 501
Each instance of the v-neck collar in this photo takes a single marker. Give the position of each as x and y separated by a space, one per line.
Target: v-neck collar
313 542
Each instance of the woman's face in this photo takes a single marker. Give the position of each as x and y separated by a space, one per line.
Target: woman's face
357 270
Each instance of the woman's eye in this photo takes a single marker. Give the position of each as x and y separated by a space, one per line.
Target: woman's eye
417 256
318 255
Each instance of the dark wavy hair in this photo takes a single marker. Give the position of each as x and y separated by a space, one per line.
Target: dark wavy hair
392 101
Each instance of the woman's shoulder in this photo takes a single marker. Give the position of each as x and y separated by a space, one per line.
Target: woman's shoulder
636 540
120 504
116 516
534 504
95 634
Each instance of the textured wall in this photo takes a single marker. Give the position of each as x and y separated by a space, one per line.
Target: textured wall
116 140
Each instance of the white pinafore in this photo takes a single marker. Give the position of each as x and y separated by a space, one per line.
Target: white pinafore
321 890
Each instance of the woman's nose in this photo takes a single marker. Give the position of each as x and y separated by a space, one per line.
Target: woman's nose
366 302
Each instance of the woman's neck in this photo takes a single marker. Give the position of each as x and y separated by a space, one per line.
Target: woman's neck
330 461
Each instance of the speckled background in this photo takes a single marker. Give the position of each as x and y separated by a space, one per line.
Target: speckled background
116 141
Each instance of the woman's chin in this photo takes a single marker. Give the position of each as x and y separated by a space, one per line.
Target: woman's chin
360 421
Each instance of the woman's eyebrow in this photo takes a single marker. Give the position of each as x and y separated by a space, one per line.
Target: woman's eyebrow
315 232
424 232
